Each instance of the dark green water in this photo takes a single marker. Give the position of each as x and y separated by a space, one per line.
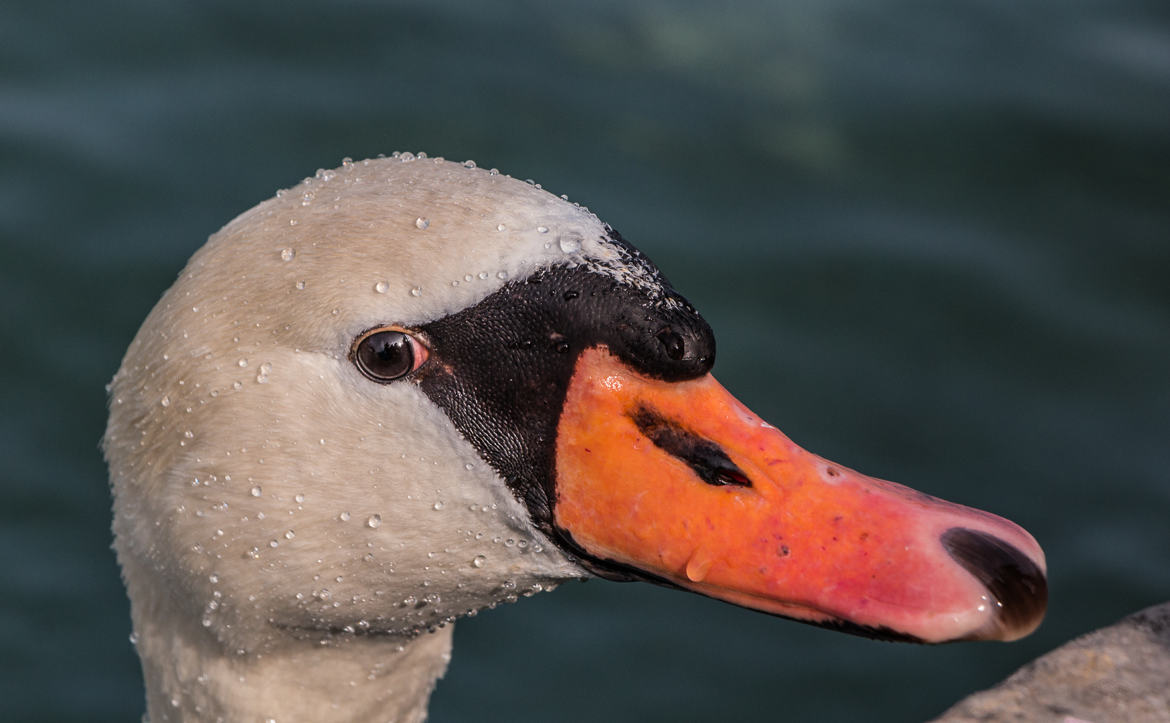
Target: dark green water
933 239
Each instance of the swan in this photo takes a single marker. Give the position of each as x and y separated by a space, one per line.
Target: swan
408 389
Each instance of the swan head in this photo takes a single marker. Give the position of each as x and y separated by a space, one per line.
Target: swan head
408 389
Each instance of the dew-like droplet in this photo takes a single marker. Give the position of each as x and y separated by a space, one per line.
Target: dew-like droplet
698 565
287 254
256 491
501 227
437 506
381 287
421 222
469 163
570 242
478 561
300 285
416 291
344 517
542 229
299 499
165 401
374 522
242 363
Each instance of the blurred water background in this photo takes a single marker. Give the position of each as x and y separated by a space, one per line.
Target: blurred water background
933 240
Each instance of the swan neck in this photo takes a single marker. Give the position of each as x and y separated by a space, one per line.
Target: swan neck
191 676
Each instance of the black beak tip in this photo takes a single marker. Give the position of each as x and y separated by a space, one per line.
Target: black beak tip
1017 585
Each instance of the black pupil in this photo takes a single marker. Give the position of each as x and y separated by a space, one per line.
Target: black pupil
385 355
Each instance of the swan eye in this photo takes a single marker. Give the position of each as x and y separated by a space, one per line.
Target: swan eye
388 354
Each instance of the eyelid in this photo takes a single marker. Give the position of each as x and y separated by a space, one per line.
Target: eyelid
421 351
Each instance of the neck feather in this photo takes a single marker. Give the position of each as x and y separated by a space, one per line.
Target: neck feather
191 676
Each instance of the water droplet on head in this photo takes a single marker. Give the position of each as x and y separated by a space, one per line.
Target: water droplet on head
287 254
569 242
421 222
299 499
344 517
416 291
165 401
437 506
256 491
242 363
469 164
374 521
300 285
381 287
478 561
501 227
542 229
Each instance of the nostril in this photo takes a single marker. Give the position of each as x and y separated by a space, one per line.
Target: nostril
672 343
1017 583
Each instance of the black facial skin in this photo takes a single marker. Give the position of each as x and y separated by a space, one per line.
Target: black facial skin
500 369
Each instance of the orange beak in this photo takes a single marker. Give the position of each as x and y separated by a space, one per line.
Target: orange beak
684 484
